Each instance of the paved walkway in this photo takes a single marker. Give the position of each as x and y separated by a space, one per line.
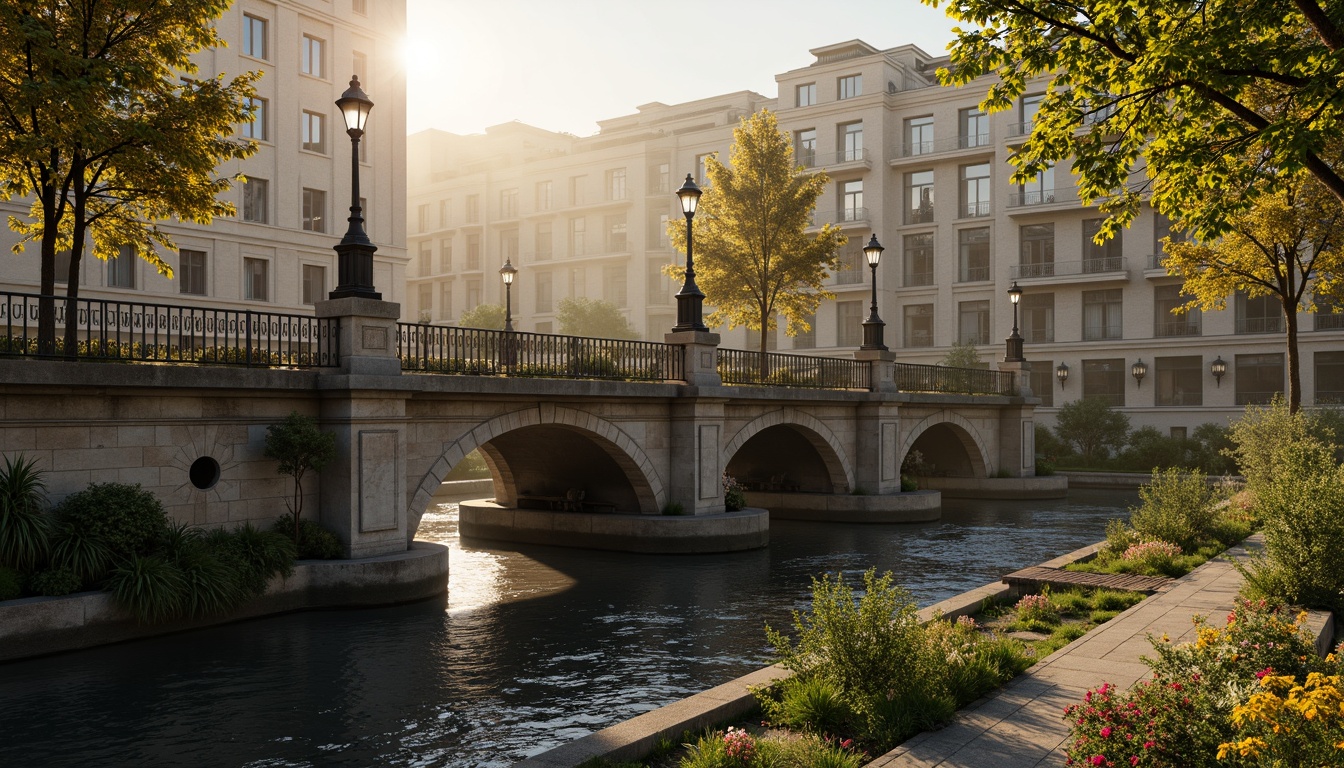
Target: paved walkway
1022 724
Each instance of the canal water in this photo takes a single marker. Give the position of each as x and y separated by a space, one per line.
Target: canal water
534 646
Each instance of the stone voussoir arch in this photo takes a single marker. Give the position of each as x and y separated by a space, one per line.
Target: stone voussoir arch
980 460
628 455
837 465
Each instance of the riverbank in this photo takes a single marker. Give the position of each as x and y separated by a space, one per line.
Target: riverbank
37 626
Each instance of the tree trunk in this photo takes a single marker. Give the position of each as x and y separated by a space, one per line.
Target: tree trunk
1294 367
298 504
79 234
765 361
46 304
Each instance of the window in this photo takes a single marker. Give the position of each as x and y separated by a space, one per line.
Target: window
973 253
1105 379
917 268
544 244
314 210
576 190
1329 314
1101 314
1030 105
974 128
1038 318
508 245
314 132
1162 230
807 339
805 147
424 251
578 231
1036 257
973 322
121 269
850 86
426 301
919 136
1038 191
850 268
255 282
614 285
311 61
919 197
314 283
508 203
254 36
473 208
660 178
1165 299
1043 380
191 272
542 280
702 169
1180 380
616 184
473 253
256 200
807 94
851 201
446 301
1329 377
851 142
422 218
473 294
63 268
578 283
848 323
918 329
1178 433
445 256
1100 258
1259 314
444 218
360 6
256 127
614 229
545 196
657 231
975 190
1259 378
657 286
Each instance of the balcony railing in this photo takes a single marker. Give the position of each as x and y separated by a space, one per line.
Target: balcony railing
967 381
948 144
1171 328
478 352
852 214
848 274
1260 325
1257 398
1067 268
920 215
973 208
850 156
741 367
1329 321
915 279
974 274
1030 197
130 331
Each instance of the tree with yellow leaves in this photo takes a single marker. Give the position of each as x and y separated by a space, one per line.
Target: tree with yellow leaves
1289 245
754 258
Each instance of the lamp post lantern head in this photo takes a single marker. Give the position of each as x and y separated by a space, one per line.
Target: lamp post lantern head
1062 373
689 194
873 250
1218 368
1138 370
355 106
507 272
1014 294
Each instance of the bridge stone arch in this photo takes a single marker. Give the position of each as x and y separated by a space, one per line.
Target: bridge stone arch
977 452
820 436
649 488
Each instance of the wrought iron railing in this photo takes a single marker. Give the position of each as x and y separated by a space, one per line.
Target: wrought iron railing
132 331
740 366
478 352
911 377
1099 265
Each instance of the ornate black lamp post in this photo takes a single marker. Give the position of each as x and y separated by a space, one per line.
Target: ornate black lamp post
507 272
1014 351
872 327
354 269
690 301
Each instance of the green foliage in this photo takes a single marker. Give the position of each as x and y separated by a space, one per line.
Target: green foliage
299 445
1177 506
753 253
256 555
24 525
489 317
54 582
211 585
961 355
1092 427
1048 445
314 542
81 551
10 583
734 495
471 467
809 703
149 586
126 518
909 484
580 316
1260 437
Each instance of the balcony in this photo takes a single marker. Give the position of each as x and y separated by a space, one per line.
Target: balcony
1105 268
852 216
920 215
971 209
914 152
974 274
1259 325
1174 328
917 279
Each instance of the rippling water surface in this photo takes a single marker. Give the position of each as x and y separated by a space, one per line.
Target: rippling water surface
534 646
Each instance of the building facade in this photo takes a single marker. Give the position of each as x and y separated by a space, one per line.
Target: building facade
916 164
276 254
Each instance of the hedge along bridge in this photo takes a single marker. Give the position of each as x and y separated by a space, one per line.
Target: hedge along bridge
182 399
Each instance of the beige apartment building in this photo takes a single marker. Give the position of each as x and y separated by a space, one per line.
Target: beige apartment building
276 254
916 164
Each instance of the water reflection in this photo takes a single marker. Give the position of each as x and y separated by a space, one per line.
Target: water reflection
534 647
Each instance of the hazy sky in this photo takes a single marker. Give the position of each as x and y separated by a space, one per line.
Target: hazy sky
565 64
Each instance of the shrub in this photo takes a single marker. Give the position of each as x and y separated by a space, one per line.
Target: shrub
1288 722
1037 608
1162 723
255 554
1177 508
1093 427
298 445
210 584
739 745
1259 437
909 484
1215 447
315 542
734 495
54 582
1048 445
10 583
1153 555
81 552
24 524
149 586
809 703
127 518
1148 449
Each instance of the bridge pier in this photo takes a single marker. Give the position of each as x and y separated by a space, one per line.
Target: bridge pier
695 471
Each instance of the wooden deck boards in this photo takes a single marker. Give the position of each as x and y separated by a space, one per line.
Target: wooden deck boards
1036 575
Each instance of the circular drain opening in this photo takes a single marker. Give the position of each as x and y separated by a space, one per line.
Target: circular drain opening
204 473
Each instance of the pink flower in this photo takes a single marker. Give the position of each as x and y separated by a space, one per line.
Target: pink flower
1266 671
847 743
1098 760
1149 744
1106 732
1133 759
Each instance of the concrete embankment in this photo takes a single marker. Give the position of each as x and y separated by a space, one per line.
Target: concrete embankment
664 534
36 626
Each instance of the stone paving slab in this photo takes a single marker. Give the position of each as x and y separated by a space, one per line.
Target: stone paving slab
1022 725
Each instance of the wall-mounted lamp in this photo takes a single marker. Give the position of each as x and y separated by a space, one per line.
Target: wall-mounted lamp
1138 370
1062 373
1218 368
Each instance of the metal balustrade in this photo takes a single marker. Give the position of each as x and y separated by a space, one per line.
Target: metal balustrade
744 367
1067 268
133 331
912 377
479 352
